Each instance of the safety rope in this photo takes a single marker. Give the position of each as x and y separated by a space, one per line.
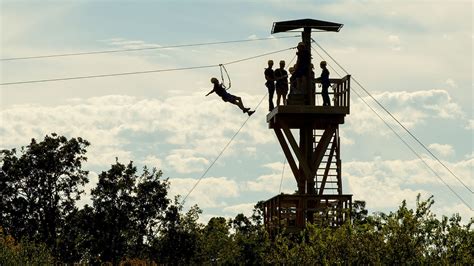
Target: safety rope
222 67
220 154
394 131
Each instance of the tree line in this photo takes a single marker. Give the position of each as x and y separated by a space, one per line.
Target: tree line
133 221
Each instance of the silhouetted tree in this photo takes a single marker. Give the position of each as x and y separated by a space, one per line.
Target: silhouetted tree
39 187
216 244
128 208
131 219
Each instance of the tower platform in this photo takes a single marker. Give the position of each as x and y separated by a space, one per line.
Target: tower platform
298 116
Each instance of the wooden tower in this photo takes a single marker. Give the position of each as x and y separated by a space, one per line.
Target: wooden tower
314 160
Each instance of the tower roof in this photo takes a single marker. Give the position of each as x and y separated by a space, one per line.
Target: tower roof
282 26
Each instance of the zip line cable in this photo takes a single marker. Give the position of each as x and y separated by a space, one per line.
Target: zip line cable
142 49
222 151
412 150
398 122
253 57
406 144
105 75
282 173
284 161
139 72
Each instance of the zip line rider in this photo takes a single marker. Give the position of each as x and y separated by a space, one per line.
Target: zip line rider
227 97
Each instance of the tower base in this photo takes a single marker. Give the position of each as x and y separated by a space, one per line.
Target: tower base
292 212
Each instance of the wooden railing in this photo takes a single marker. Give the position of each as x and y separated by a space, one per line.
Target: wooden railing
340 91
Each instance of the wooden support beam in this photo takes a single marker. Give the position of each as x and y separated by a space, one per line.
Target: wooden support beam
338 158
301 159
328 164
287 152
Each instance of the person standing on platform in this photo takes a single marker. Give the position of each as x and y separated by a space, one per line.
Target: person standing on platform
293 89
303 63
281 77
325 83
270 83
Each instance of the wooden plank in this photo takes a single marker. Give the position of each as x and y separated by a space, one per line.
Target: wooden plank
301 159
287 152
308 112
322 146
326 171
338 158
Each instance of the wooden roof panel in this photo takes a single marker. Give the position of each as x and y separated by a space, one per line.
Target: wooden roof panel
282 26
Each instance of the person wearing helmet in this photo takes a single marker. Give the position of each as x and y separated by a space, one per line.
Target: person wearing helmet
325 83
270 84
281 77
227 97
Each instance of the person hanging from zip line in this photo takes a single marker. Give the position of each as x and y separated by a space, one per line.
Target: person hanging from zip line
227 97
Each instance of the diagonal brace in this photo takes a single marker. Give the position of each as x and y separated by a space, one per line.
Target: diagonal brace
287 152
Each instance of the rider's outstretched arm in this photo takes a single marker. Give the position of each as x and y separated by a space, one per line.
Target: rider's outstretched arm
210 92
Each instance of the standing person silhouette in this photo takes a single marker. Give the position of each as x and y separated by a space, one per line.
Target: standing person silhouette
227 97
270 83
281 77
325 83
303 63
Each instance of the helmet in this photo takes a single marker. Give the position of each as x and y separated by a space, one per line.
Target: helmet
214 80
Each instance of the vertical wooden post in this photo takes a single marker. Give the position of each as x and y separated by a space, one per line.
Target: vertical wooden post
306 133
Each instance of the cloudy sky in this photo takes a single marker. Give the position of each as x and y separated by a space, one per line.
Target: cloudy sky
415 57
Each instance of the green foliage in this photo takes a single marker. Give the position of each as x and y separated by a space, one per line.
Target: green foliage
133 222
179 235
127 209
406 236
23 253
40 186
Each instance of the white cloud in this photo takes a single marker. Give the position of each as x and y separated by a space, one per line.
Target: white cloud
86 197
268 183
444 150
245 208
410 108
271 182
184 161
451 83
448 210
394 41
276 166
385 183
211 192
380 193
110 123
153 161
470 124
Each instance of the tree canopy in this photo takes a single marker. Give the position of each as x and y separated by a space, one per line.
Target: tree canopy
132 220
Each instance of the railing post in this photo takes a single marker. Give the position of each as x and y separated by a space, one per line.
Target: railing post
349 92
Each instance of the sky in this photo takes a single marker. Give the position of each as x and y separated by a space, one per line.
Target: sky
414 57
